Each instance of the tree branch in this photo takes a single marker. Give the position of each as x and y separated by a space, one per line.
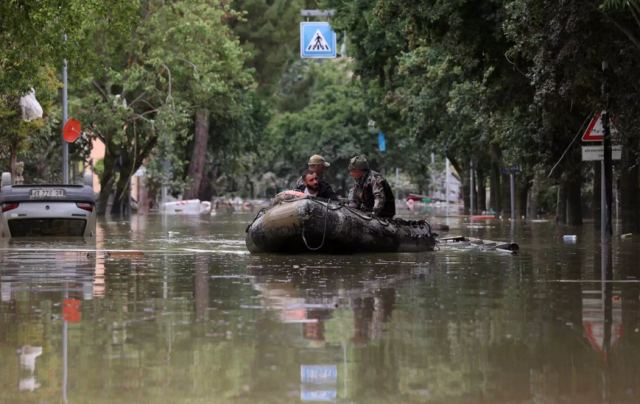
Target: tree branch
100 90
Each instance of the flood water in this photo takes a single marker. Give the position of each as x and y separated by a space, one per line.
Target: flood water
178 311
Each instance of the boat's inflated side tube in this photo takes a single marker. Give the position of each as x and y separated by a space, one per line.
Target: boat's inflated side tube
307 225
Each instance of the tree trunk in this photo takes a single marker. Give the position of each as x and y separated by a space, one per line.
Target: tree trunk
532 199
464 189
629 200
143 195
106 184
505 195
574 199
561 204
482 195
464 179
121 196
596 207
629 188
522 194
494 181
199 154
13 162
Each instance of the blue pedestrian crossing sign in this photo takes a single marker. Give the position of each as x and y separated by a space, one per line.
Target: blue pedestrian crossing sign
317 40
382 142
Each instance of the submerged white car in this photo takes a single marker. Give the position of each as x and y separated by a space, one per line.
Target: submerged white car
47 210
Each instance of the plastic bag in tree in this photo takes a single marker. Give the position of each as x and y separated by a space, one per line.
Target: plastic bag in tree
31 108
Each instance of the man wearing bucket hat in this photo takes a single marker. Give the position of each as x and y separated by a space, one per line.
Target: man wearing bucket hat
317 164
371 192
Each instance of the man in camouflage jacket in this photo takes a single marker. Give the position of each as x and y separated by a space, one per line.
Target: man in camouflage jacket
371 192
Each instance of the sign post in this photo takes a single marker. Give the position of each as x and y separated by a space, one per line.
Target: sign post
607 228
65 114
601 130
471 188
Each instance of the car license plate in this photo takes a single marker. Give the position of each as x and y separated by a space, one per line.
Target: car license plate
46 193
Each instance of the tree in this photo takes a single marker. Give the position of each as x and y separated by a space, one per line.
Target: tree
181 65
268 31
436 77
333 123
562 48
36 37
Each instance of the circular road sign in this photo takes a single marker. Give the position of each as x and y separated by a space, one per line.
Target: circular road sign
71 131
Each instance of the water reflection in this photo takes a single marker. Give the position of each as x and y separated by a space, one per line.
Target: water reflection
334 312
58 279
362 299
178 312
49 272
27 356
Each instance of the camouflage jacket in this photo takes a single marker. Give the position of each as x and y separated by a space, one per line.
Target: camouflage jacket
372 193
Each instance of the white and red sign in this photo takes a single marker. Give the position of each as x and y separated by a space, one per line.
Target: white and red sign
595 130
71 130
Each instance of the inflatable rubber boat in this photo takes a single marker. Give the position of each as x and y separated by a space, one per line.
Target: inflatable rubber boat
303 225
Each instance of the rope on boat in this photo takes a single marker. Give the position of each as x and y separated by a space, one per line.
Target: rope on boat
362 215
324 232
339 206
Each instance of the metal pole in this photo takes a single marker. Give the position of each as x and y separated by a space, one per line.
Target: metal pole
512 183
608 168
397 177
606 288
65 350
345 370
471 189
446 185
65 116
603 204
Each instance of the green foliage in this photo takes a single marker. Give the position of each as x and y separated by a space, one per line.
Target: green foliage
18 138
98 167
178 57
333 124
436 77
493 82
269 32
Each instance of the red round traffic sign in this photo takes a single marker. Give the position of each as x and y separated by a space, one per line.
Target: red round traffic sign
71 130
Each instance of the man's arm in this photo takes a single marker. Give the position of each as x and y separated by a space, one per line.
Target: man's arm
352 199
327 192
379 199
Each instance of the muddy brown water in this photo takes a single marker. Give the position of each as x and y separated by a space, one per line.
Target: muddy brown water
176 310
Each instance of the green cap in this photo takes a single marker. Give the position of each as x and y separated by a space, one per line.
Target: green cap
358 163
317 159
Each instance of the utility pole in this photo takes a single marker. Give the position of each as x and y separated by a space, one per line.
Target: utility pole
606 227
446 186
471 188
65 117
512 186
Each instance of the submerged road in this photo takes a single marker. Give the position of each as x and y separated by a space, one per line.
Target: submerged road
177 310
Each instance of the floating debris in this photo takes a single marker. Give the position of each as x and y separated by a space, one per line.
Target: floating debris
500 246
